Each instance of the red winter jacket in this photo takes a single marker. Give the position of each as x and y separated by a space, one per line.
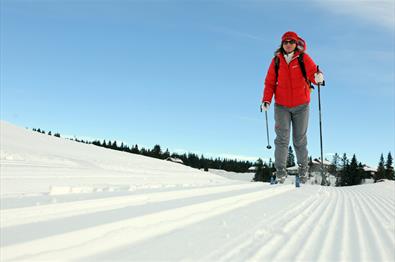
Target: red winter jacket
291 89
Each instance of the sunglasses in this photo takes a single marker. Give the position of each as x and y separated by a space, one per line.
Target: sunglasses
289 42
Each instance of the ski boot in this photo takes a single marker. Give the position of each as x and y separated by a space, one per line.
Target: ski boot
281 175
302 173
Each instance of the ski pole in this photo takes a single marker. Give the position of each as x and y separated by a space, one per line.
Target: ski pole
319 109
267 131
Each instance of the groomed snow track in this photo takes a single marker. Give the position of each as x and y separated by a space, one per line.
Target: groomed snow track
246 222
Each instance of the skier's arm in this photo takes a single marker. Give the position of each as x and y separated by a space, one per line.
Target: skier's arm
311 68
270 83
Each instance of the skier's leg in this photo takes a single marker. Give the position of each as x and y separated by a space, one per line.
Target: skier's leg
300 120
282 127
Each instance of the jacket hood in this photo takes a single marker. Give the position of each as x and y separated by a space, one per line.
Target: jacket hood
301 45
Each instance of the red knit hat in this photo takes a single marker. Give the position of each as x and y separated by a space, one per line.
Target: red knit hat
290 35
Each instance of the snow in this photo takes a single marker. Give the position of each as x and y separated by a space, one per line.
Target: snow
247 177
66 201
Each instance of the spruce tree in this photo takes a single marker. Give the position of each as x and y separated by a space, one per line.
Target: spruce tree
310 166
380 169
291 157
335 164
135 149
344 179
354 174
259 171
267 173
389 169
362 172
156 151
166 154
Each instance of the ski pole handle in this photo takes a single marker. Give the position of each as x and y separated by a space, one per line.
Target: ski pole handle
323 82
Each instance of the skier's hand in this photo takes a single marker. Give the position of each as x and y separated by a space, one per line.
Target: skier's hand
265 106
319 78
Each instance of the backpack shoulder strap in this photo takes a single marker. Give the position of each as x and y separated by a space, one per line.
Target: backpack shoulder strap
303 68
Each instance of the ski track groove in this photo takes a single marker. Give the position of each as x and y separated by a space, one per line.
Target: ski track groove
274 243
251 240
82 243
26 215
384 211
333 230
373 228
389 215
344 252
388 207
386 201
362 249
297 239
362 245
390 202
309 248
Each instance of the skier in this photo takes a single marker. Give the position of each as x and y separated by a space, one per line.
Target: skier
289 79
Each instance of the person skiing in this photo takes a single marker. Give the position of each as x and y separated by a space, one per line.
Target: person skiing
289 79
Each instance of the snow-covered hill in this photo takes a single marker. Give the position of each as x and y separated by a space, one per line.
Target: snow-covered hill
66 201
34 163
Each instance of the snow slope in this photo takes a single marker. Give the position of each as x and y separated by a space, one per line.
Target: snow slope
66 201
247 177
34 163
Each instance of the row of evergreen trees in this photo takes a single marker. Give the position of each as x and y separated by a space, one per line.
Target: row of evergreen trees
43 132
351 172
385 170
347 172
263 171
190 159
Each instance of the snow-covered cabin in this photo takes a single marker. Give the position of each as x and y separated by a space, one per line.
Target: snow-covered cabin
370 171
315 167
175 160
293 170
252 169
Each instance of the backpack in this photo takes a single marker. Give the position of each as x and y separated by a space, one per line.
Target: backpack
301 64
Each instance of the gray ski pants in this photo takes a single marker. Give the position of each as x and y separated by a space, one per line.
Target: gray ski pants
299 118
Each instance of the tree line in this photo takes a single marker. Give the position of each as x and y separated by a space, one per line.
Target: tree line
347 172
352 172
189 159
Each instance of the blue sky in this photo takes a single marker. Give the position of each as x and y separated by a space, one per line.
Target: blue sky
188 75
